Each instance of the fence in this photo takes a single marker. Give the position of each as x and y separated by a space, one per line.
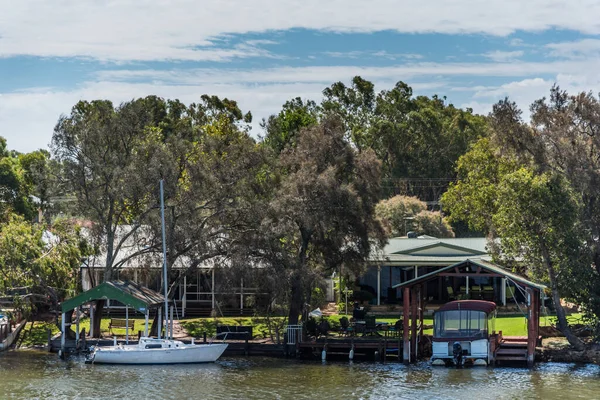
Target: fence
294 334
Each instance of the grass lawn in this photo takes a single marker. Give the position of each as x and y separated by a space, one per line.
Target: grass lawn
37 336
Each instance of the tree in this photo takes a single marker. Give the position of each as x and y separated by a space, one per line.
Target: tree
40 264
401 214
281 130
115 157
533 210
563 137
322 213
14 188
537 223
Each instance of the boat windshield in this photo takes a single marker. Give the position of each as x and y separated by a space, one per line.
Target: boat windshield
460 324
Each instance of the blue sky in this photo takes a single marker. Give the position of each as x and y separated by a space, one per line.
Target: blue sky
264 52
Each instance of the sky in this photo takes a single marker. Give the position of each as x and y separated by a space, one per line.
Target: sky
264 52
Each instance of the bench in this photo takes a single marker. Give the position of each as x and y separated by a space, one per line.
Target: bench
120 324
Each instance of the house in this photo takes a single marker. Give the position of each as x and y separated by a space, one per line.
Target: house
404 259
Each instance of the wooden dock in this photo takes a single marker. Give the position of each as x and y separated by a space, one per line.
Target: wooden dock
8 334
365 348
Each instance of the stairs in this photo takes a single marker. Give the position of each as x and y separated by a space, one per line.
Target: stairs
512 349
330 309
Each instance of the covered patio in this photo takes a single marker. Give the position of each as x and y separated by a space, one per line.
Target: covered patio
477 270
128 293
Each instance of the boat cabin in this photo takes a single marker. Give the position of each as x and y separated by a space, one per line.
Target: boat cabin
461 331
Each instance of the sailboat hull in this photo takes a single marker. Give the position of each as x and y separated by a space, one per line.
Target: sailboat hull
134 354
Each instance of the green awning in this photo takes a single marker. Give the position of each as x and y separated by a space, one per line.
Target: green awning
129 293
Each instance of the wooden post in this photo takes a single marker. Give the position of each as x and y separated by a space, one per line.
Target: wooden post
146 323
413 323
184 298
92 307
379 285
160 322
406 319
77 326
421 311
531 331
212 289
63 333
126 324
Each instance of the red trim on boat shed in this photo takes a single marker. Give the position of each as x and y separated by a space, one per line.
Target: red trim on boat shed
474 305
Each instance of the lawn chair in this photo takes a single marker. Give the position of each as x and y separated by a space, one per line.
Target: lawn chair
396 329
451 295
323 328
345 328
370 326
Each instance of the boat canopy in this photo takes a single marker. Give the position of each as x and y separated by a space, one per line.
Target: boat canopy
129 293
472 305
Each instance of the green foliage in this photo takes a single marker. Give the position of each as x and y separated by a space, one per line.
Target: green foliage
317 297
401 214
321 214
282 129
45 270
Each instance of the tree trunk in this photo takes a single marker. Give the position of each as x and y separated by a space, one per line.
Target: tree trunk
563 325
295 300
97 318
297 289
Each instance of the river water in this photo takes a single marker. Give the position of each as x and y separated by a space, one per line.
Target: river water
30 374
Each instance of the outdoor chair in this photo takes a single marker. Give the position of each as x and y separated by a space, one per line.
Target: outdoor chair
396 329
510 294
370 326
323 328
475 292
488 293
345 328
451 295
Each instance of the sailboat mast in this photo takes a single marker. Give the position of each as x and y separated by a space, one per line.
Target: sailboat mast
164 246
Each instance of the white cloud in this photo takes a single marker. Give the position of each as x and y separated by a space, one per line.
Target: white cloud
580 49
329 74
169 30
28 117
375 54
503 56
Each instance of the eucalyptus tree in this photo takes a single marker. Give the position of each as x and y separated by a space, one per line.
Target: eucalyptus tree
282 130
321 214
519 186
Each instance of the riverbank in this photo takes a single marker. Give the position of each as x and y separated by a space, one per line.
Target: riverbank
557 349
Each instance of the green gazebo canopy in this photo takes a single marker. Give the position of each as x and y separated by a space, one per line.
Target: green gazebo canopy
129 293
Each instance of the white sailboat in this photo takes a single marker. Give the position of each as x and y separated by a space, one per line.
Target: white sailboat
158 351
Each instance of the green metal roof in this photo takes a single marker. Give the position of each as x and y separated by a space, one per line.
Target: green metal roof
488 266
129 293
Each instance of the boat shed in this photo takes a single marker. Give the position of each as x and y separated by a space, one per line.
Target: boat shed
130 294
414 301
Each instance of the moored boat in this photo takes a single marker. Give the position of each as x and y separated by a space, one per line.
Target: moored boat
157 351
461 332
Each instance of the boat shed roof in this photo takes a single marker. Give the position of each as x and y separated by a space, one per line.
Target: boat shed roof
473 268
474 305
129 293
